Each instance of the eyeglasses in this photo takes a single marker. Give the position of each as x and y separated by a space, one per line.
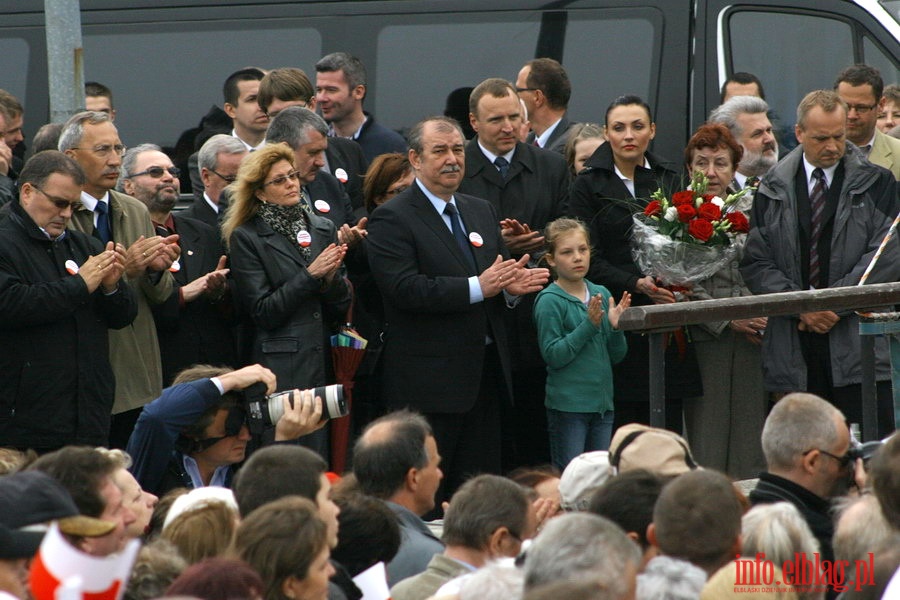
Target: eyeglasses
157 172
520 90
394 192
843 461
283 179
861 109
103 150
228 178
60 203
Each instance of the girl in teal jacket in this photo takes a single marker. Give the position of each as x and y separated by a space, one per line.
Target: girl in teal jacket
577 330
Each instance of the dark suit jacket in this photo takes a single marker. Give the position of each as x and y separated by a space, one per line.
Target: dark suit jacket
376 139
327 188
435 339
348 155
535 192
199 331
203 212
559 137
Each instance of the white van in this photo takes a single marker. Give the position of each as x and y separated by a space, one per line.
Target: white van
166 60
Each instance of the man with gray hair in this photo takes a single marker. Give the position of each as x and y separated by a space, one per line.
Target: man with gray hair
583 547
93 141
192 325
488 518
340 91
321 192
217 165
806 441
748 120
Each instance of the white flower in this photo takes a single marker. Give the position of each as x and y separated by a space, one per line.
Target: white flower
698 201
718 201
671 214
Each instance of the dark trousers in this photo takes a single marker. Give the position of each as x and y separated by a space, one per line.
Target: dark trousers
470 443
848 398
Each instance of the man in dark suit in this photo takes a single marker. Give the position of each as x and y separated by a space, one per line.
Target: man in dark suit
194 323
283 88
440 262
528 187
543 85
217 166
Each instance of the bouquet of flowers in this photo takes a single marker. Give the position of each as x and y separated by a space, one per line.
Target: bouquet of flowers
688 236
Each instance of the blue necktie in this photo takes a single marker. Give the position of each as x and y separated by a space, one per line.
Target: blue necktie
460 236
102 209
503 166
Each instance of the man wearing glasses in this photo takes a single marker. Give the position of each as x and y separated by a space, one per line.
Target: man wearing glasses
60 292
806 442
93 141
194 323
217 165
862 88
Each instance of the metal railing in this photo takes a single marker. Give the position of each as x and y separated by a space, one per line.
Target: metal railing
658 319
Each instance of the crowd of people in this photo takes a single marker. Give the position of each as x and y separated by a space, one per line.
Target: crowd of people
488 274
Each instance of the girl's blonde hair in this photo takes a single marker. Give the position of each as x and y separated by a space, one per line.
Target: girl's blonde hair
560 227
251 176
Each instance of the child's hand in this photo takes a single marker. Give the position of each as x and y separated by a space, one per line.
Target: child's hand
616 310
595 310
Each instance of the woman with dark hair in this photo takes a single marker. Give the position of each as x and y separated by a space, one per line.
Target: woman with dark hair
723 425
287 268
388 175
286 542
618 179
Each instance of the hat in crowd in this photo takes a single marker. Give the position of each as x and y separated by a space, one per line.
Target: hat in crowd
31 498
198 498
636 446
15 544
581 478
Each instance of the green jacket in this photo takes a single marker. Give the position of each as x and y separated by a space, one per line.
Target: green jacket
579 356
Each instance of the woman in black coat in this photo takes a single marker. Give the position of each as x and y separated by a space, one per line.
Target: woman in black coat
618 180
287 268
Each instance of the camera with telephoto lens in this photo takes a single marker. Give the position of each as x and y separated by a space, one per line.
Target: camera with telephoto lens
265 411
865 451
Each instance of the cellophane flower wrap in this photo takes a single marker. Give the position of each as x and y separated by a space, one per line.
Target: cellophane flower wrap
688 235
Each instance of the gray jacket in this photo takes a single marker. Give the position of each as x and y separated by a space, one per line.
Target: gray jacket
771 263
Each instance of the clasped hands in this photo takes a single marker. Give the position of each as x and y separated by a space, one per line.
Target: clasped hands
513 277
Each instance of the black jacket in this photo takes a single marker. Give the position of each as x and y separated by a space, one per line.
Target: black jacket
376 139
54 350
347 155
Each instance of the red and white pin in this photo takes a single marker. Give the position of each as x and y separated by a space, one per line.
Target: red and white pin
175 266
341 175
475 239
71 267
322 206
304 239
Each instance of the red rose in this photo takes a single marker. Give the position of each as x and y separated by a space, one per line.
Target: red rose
701 229
739 223
709 211
686 212
653 208
708 197
685 197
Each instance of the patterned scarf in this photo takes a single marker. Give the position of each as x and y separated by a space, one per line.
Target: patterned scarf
288 221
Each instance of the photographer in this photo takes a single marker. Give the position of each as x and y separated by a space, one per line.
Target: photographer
196 431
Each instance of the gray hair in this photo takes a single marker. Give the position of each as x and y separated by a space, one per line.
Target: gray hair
354 70
580 547
442 125
221 143
495 580
73 130
292 126
859 528
129 159
667 578
799 422
728 112
779 531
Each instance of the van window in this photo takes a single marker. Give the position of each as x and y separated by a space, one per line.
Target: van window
135 64
15 51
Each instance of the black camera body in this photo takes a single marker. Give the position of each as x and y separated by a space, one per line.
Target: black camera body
264 411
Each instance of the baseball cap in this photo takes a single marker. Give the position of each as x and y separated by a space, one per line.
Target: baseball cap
663 452
16 544
582 477
33 498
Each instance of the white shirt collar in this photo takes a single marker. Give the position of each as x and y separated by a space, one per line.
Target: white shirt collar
809 167
212 204
248 146
741 180
436 202
542 139
492 157
629 183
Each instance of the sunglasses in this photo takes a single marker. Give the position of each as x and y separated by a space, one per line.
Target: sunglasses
157 172
283 179
60 203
